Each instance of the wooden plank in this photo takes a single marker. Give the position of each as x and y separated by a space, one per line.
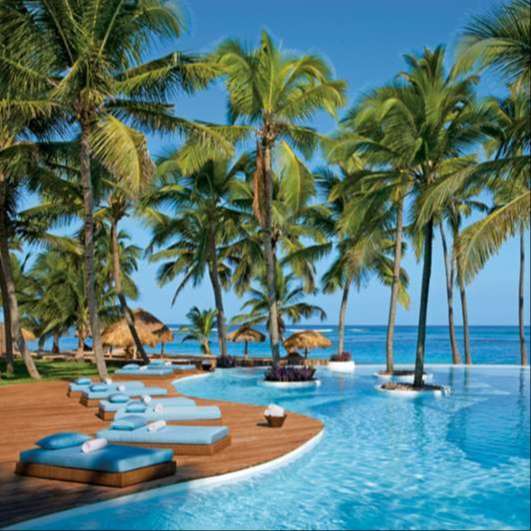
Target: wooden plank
31 411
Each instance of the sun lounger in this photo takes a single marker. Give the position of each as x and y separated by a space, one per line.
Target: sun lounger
112 466
75 389
183 440
153 370
107 409
180 414
92 398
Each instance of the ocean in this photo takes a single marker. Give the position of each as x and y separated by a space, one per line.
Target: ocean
489 344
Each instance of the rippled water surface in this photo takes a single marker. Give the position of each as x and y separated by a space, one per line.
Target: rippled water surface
384 462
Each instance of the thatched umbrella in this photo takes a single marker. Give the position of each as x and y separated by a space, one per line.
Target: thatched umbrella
150 331
307 340
247 335
28 335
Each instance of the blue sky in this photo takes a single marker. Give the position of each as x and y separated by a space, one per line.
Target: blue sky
364 41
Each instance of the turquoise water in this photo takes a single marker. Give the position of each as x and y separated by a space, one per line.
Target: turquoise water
459 462
489 344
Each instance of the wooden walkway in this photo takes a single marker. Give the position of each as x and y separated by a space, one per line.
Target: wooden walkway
31 411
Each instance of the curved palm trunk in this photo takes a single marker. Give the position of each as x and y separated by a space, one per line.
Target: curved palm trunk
90 277
464 310
117 278
391 320
342 317
450 274
218 293
8 338
11 296
55 346
423 313
270 257
521 287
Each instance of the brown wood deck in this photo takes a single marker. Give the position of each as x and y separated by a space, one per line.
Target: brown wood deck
31 411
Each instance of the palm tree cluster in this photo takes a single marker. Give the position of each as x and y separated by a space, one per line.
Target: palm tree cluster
239 203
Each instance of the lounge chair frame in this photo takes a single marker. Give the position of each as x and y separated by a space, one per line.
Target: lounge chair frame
185 449
96 477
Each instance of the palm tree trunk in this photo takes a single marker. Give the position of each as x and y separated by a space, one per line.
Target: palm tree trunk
117 279
11 296
342 316
391 320
423 313
450 273
55 346
521 287
464 310
90 276
218 293
8 338
270 257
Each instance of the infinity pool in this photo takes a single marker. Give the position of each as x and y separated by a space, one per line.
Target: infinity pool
384 462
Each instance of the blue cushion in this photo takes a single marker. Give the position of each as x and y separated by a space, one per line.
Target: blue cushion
130 422
131 366
82 381
105 405
168 435
134 391
178 413
112 458
118 398
157 362
137 407
62 440
99 387
184 367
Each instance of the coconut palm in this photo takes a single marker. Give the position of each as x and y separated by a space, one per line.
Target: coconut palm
501 40
91 68
200 328
290 304
272 93
199 235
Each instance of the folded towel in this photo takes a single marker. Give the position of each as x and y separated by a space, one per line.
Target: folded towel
121 388
146 399
93 445
157 425
274 411
159 408
108 381
168 364
143 368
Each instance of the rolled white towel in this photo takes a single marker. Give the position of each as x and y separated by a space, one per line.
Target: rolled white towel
121 388
158 409
157 425
143 368
146 399
274 411
108 381
93 445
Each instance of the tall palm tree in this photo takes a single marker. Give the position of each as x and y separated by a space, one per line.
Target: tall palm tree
198 238
272 93
434 115
90 65
200 328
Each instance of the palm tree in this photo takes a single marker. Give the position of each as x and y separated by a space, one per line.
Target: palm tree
200 328
90 67
290 304
200 234
272 93
433 115
500 41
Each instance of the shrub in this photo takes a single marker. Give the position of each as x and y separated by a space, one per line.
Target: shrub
225 362
344 356
290 374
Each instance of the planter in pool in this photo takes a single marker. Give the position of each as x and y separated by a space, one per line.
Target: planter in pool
342 366
404 378
275 422
292 385
412 393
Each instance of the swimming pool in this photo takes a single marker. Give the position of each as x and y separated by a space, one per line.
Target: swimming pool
383 462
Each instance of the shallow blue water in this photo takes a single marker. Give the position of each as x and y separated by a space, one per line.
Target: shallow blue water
489 344
459 462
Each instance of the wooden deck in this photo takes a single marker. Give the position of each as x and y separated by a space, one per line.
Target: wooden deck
31 411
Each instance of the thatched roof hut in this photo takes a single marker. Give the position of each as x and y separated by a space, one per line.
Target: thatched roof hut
246 334
150 330
28 335
306 340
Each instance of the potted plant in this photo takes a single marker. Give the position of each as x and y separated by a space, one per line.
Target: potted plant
341 362
286 377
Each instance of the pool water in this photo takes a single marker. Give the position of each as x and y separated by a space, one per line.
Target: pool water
458 462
